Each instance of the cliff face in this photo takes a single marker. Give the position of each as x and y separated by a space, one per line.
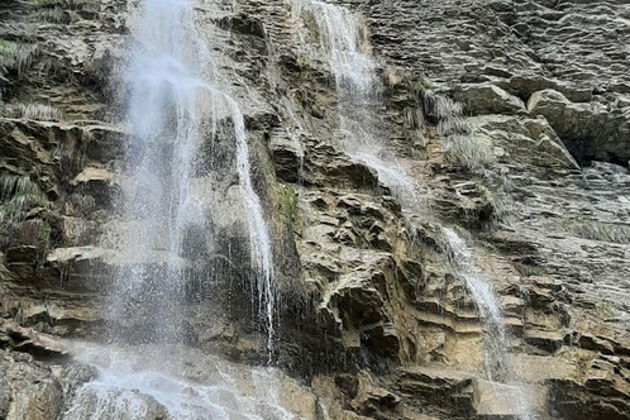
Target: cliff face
510 118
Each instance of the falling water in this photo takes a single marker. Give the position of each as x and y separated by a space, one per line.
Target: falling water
175 103
260 243
497 365
342 44
167 106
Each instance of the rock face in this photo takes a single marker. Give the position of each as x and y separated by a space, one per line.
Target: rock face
511 117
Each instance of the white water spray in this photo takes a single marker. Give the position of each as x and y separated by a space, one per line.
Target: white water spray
129 386
175 104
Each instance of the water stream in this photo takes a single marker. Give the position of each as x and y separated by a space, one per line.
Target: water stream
342 42
175 101
175 104
497 366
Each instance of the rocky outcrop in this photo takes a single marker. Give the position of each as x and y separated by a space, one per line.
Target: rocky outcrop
591 132
511 118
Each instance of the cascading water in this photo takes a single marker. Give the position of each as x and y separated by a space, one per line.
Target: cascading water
260 243
175 105
497 365
166 111
358 90
358 93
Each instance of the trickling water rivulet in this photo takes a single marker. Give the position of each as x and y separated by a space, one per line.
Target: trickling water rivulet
496 363
342 43
358 93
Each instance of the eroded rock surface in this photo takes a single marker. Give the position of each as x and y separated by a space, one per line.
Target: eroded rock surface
511 118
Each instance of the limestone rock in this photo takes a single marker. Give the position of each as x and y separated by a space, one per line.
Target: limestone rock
30 387
590 132
29 341
364 285
524 86
490 99
525 141
97 182
288 157
498 401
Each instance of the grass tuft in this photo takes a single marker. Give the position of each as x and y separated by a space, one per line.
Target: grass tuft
20 199
15 57
460 145
597 231
37 112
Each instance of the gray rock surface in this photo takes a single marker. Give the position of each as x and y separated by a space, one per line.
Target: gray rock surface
372 314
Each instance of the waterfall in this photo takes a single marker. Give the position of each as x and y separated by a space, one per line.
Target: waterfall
175 105
341 43
260 243
166 109
496 363
175 102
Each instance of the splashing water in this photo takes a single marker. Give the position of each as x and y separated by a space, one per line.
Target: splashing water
497 366
130 387
174 105
261 253
165 113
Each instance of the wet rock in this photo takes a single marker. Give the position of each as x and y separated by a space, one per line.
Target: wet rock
373 401
596 400
525 86
288 158
34 393
106 143
79 268
90 400
438 392
30 341
499 401
99 183
355 297
325 165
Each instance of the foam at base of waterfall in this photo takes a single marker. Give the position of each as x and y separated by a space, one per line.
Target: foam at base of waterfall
131 386
124 396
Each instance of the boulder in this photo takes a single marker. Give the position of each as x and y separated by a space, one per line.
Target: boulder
487 98
590 131
523 141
